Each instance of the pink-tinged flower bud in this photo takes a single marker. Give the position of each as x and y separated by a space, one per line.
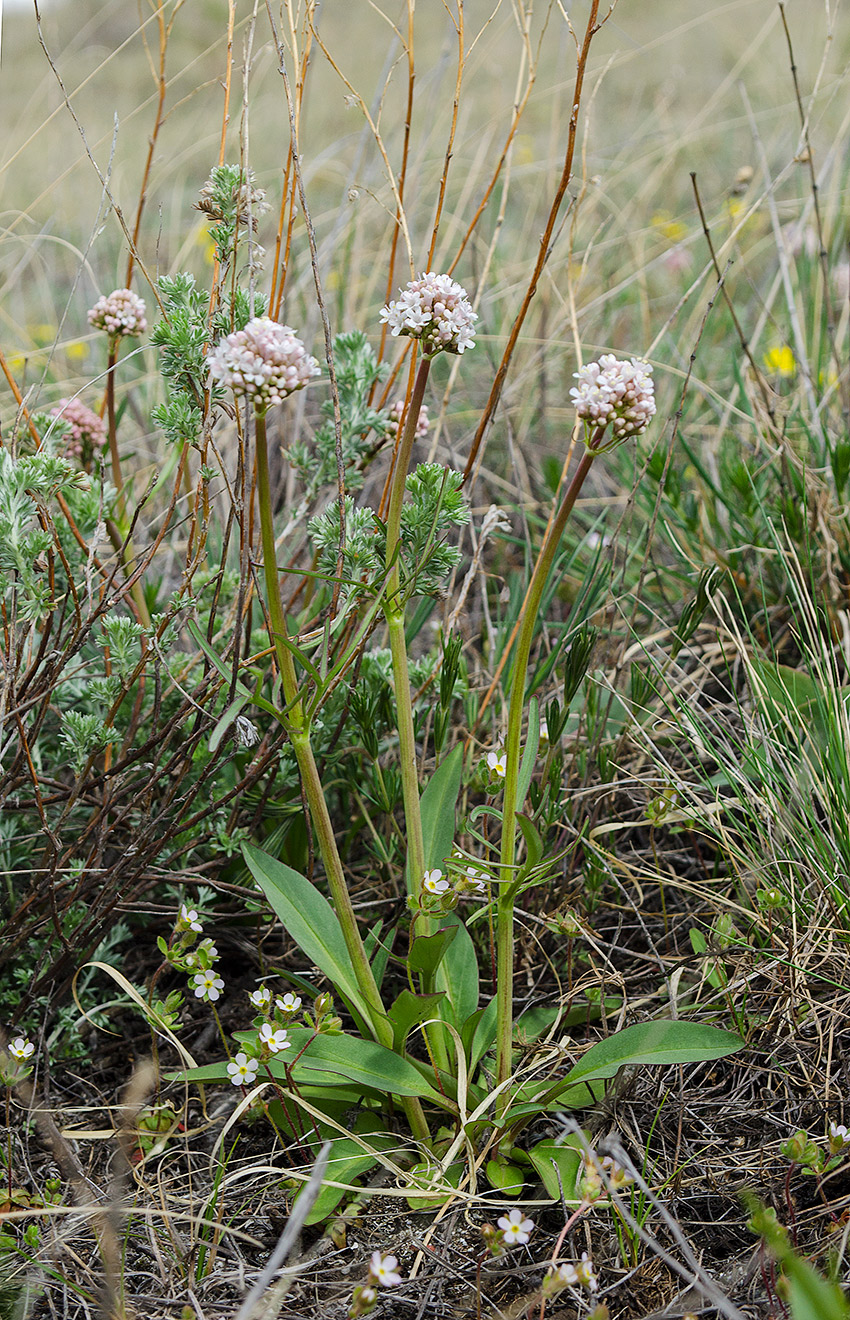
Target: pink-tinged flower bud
119 313
435 310
616 394
265 362
396 414
86 435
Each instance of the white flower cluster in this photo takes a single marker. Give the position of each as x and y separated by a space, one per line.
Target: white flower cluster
119 313
396 413
435 310
264 362
616 394
87 432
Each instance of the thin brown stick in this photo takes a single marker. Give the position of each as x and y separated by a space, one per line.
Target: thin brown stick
544 248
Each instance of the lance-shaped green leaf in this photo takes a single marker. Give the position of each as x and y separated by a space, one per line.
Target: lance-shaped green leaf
652 1042
310 920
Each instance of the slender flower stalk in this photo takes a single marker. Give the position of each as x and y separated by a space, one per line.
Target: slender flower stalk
619 394
265 362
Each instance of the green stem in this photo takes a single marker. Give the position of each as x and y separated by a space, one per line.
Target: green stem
505 906
394 611
300 737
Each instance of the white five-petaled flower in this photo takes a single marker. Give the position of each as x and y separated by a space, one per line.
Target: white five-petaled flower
516 1229
243 1071
839 1137
288 1003
261 998
433 882
121 312
561 1276
265 362
474 879
207 985
189 919
616 394
383 1270
498 763
21 1048
274 1038
435 310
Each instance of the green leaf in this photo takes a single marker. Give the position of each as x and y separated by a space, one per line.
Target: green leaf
351 1059
559 1160
408 1010
428 951
457 974
507 1178
529 752
438 805
310 920
813 1297
652 1042
452 1176
226 719
485 1034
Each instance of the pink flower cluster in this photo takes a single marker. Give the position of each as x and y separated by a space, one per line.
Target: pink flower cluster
616 394
394 419
121 312
87 432
264 362
435 310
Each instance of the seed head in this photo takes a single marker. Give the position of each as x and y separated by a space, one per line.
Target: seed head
265 362
435 310
616 394
119 313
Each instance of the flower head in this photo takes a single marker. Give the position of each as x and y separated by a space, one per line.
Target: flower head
265 362
780 361
397 412
472 881
616 394
86 434
433 882
261 998
207 985
497 763
516 1229
243 1071
558 1277
189 920
586 1274
382 1269
119 313
288 1003
435 310
21 1048
274 1038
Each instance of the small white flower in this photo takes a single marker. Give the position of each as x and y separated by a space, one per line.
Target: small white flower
562 1276
498 763
189 919
274 1038
21 1048
383 1270
474 879
288 1003
207 985
516 1229
433 882
839 1137
585 1273
243 1071
261 998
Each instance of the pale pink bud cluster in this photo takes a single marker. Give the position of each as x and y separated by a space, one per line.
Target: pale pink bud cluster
396 413
264 362
119 313
86 431
616 394
435 310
